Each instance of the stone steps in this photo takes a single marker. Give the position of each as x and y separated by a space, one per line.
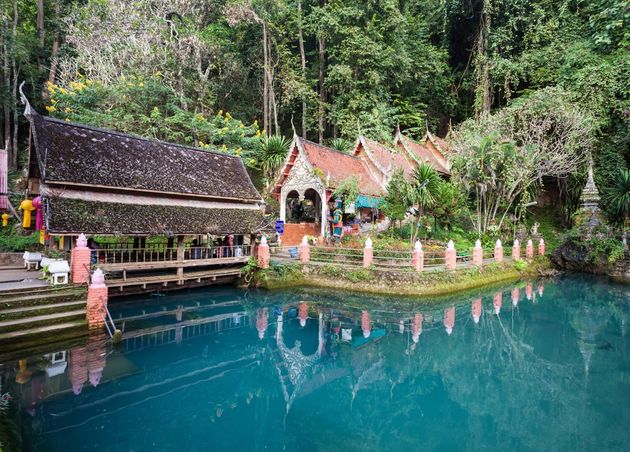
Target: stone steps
40 298
29 311
31 322
21 338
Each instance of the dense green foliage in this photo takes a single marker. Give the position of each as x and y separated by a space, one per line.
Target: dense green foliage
327 69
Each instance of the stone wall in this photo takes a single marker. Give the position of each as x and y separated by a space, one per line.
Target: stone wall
11 259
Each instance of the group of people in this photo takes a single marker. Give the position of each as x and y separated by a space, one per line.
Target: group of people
221 247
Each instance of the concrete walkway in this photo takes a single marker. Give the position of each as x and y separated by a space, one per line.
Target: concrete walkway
12 278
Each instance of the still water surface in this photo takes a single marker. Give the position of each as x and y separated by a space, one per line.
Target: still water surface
537 366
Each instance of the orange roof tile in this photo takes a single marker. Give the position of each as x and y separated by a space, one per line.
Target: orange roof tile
388 159
424 154
337 166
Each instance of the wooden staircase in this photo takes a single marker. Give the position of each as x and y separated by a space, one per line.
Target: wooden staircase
33 315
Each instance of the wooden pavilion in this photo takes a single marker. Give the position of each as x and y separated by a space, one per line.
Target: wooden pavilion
160 213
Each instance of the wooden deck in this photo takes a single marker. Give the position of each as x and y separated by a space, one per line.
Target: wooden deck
119 286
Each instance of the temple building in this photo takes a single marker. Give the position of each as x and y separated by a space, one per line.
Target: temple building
147 205
312 172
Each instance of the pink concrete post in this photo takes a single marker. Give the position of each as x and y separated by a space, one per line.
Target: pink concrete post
96 299
478 254
263 253
541 247
417 257
498 251
305 251
80 261
451 256
368 253
516 251
529 250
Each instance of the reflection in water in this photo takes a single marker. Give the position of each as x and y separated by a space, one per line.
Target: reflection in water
516 295
476 310
497 302
262 316
366 324
449 319
226 374
303 314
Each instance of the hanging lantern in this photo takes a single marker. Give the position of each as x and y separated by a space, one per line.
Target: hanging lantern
5 219
39 216
27 207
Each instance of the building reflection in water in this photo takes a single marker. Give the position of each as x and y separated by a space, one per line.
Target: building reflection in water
529 292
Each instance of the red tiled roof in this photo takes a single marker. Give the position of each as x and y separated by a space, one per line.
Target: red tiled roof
389 159
424 154
337 166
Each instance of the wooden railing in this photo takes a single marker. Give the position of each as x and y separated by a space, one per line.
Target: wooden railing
165 254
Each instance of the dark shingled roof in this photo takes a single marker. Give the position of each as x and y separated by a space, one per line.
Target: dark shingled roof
75 153
71 216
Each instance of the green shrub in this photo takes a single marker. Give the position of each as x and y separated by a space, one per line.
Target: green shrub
520 265
11 241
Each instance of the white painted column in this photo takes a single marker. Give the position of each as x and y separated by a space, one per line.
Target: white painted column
324 213
283 204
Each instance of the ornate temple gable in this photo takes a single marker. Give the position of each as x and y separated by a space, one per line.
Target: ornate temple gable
438 148
302 176
400 141
363 150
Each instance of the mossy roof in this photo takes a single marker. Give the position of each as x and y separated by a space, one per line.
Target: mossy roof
79 154
73 216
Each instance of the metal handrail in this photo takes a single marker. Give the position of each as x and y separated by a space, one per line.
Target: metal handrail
111 330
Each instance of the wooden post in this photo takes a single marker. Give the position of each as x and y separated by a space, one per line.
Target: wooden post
417 258
96 300
516 251
180 256
368 253
529 250
451 256
498 251
305 251
80 261
264 254
478 254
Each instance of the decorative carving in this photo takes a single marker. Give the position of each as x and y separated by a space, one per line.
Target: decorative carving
301 178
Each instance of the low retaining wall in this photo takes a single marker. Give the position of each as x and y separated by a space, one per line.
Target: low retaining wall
11 259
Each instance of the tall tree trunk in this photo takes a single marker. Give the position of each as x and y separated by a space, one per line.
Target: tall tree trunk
52 73
322 92
483 98
303 58
6 79
265 81
14 99
40 21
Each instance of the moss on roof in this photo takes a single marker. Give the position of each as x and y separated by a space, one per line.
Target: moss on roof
76 153
71 216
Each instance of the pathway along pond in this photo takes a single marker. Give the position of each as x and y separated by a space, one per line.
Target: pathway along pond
546 367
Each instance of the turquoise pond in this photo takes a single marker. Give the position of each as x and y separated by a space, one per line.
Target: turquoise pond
540 365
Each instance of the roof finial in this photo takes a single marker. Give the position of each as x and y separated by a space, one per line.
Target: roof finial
28 110
293 126
359 127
